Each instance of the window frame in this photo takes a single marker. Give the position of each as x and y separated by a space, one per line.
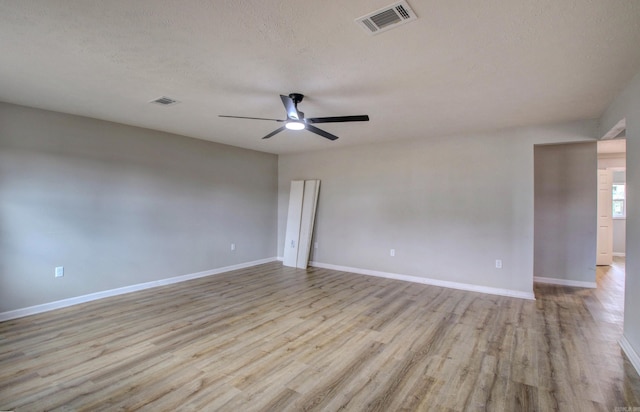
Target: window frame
623 200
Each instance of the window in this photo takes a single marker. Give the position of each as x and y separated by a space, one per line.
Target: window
618 201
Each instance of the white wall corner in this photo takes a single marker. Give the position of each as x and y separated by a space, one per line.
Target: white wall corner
46 307
565 282
432 282
628 350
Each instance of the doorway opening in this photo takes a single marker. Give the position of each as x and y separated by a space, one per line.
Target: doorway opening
612 205
610 272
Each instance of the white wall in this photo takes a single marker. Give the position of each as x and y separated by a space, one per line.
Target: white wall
619 224
616 162
565 211
118 205
627 105
619 237
612 161
449 206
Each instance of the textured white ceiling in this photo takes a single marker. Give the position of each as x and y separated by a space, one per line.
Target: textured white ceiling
462 66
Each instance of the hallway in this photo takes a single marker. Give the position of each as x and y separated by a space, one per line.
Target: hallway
590 322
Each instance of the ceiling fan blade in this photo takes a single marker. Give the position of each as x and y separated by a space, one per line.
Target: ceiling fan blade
275 132
252 118
321 132
292 112
338 119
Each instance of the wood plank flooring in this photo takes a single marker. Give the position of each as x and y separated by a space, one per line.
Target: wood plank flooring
270 338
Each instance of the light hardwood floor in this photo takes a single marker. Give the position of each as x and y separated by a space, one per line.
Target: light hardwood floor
273 338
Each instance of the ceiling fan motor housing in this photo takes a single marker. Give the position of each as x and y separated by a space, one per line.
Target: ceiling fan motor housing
296 97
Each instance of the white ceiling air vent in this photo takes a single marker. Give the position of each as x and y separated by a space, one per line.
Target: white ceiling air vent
387 18
165 101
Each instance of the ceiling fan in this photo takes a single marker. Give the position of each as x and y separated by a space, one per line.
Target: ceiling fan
296 121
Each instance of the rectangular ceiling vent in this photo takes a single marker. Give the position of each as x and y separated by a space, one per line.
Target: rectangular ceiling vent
164 101
387 18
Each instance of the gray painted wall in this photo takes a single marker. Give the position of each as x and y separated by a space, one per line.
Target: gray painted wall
449 206
118 205
565 211
627 105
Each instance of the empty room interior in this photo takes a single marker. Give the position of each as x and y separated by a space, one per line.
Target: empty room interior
283 206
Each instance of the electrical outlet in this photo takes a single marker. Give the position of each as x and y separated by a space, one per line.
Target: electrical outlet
392 252
233 246
59 271
498 264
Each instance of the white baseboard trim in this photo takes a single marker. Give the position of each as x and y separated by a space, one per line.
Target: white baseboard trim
280 258
427 281
628 350
565 282
45 307
619 254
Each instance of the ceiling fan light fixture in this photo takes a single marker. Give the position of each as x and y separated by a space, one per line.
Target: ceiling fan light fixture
293 125
296 121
